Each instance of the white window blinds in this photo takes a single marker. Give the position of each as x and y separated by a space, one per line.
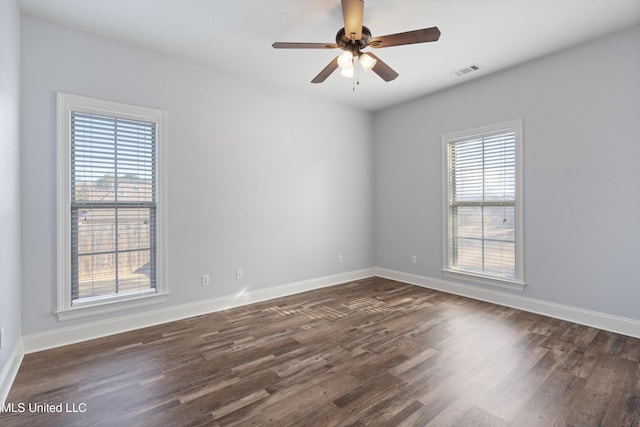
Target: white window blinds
113 206
483 204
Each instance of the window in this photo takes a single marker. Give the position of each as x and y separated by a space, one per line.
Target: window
483 237
110 206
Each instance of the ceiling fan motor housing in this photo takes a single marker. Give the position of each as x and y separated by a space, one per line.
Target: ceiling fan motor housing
346 43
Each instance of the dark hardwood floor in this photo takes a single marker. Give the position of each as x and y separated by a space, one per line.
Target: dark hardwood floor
371 352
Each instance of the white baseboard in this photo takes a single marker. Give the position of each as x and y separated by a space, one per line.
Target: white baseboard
607 322
87 331
69 335
10 371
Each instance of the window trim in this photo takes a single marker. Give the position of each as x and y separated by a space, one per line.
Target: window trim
518 283
66 103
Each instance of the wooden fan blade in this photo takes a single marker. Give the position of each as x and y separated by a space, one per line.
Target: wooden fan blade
410 37
287 45
326 71
383 70
352 11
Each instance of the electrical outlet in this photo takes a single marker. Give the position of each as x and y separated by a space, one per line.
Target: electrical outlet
239 274
414 259
204 280
340 259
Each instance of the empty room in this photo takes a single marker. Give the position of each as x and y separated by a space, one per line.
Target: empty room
320 212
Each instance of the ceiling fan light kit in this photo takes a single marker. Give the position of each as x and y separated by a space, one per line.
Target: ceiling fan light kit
354 37
367 62
347 72
345 60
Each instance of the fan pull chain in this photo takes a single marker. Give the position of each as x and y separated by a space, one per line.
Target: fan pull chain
356 80
355 72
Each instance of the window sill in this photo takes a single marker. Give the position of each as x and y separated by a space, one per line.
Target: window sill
103 307
514 285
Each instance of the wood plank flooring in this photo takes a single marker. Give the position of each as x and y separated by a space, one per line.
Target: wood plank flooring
372 352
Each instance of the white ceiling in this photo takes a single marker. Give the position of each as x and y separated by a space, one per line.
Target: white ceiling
236 36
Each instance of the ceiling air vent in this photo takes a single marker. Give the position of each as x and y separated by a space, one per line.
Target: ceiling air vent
466 70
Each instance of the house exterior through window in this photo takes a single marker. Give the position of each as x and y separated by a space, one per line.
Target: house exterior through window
110 202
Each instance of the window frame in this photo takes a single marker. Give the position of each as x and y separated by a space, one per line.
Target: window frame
518 282
66 309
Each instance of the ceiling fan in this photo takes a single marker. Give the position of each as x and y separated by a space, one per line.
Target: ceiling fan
354 37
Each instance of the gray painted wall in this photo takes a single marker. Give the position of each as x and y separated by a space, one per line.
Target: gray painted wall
257 177
581 111
10 317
